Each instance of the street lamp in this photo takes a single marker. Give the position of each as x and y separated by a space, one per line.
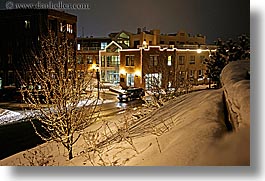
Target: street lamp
144 43
98 78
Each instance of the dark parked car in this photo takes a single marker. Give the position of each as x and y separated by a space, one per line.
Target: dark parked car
131 94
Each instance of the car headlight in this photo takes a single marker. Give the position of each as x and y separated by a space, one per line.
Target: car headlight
124 96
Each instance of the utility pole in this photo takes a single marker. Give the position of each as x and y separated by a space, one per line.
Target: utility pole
98 79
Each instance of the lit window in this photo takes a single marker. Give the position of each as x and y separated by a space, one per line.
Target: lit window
78 46
113 61
126 42
89 59
27 24
103 45
61 27
169 60
69 28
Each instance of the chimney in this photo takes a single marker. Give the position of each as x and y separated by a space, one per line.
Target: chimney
138 30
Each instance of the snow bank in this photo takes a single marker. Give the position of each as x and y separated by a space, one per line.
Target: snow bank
195 121
234 79
7 116
88 102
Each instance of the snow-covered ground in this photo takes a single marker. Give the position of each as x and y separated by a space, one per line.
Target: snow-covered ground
7 116
189 130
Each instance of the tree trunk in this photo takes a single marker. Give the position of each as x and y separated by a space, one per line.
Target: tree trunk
70 151
70 147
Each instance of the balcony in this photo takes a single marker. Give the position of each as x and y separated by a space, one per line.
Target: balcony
87 49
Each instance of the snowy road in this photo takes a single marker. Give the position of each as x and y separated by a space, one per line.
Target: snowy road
109 107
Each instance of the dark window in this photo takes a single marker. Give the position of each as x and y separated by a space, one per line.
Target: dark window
171 43
103 61
202 59
10 77
136 43
192 73
97 59
52 25
129 60
192 59
181 60
153 60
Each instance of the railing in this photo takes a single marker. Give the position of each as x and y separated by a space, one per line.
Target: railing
89 49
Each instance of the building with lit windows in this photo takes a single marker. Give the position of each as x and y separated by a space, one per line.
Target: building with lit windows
165 65
21 31
134 59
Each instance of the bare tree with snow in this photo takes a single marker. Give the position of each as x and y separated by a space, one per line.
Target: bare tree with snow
55 89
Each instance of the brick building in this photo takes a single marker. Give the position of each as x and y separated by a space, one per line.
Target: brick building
134 59
21 31
140 67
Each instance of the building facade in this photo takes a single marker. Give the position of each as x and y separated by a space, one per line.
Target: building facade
166 67
22 29
135 59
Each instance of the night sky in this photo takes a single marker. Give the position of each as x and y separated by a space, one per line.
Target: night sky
213 18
